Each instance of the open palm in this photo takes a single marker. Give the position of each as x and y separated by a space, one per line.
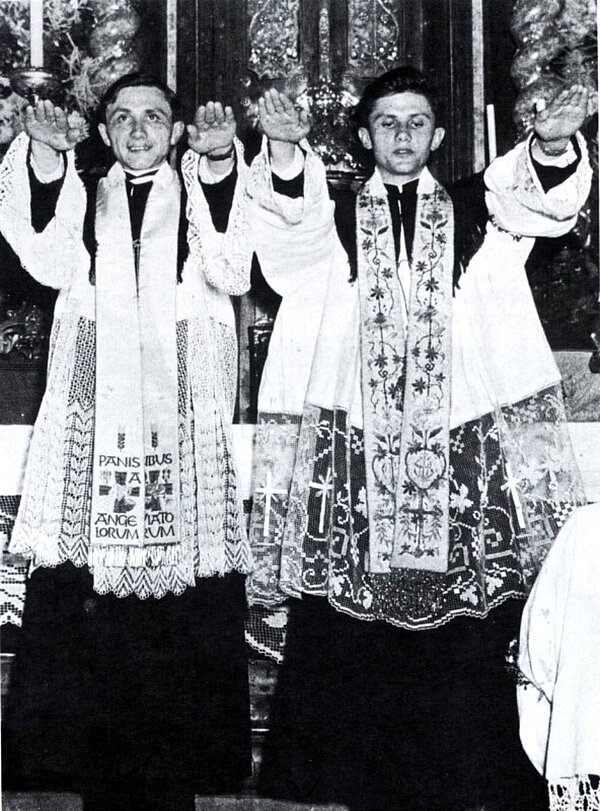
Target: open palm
213 129
49 125
280 119
563 116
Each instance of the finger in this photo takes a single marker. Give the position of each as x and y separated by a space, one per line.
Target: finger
571 97
286 103
210 113
269 103
278 101
40 112
219 114
49 112
229 116
262 110
580 96
60 118
74 135
200 117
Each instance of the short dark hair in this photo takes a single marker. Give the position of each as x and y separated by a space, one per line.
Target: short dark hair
404 79
137 80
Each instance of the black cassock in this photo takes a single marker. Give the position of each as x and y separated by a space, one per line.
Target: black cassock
382 718
134 703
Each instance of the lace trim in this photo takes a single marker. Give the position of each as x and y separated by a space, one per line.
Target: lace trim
224 258
578 793
493 556
54 255
53 521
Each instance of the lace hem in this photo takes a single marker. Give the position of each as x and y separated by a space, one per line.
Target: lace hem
496 548
54 517
578 793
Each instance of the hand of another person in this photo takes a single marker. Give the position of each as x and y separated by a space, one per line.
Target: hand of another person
213 129
280 119
562 117
49 125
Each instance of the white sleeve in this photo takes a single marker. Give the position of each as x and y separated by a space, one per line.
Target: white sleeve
206 174
224 258
52 256
518 203
540 642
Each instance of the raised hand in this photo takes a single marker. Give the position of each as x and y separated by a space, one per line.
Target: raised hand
280 119
213 129
563 116
50 125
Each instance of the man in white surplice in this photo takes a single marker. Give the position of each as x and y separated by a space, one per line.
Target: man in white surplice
433 466
130 490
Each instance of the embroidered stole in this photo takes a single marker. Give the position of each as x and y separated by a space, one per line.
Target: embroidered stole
135 499
406 362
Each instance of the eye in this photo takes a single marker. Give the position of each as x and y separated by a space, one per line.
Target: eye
120 118
416 123
387 124
153 117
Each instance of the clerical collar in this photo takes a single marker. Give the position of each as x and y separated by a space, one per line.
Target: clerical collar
137 180
407 188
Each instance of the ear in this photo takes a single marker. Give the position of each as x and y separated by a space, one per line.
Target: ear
177 132
104 134
365 137
438 137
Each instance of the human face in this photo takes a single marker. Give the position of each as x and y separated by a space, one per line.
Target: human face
139 128
402 135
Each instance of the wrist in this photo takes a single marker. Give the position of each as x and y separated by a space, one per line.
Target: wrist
553 148
221 155
45 151
281 152
45 158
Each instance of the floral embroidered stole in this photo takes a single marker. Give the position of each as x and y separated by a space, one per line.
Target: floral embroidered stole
406 361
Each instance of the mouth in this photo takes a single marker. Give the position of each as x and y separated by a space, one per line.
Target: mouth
138 148
403 153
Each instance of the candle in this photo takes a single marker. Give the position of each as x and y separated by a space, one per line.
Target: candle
36 13
491 132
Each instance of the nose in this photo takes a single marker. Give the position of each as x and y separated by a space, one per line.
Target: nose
402 133
137 128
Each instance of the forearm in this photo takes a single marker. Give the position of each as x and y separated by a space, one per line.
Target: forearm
221 162
549 148
282 156
45 158
45 192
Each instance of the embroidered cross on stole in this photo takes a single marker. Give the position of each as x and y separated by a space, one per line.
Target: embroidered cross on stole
406 363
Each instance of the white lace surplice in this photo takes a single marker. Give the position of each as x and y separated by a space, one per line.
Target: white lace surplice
54 516
506 409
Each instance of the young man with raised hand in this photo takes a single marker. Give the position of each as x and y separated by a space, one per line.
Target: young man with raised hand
433 466
130 683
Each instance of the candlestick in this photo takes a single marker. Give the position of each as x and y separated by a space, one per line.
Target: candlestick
491 132
36 18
